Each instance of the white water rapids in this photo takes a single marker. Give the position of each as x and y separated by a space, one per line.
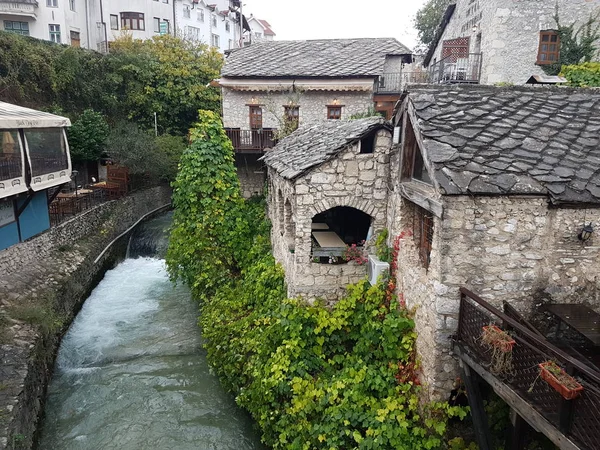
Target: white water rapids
131 373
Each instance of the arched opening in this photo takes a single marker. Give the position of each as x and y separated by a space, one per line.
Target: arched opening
289 224
336 229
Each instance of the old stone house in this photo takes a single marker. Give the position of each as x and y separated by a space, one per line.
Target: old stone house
274 84
495 185
494 41
328 189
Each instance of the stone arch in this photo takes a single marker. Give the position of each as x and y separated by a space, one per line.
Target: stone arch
326 204
350 224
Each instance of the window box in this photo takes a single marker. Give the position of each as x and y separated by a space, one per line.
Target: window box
559 380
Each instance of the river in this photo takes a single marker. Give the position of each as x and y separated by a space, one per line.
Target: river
131 373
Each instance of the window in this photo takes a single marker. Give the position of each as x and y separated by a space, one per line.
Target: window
334 112
413 165
132 21
215 40
75 38
47 150
166 1
54 33
168 24
72 5
367 144
114 22
16 27
214 21
192 33
156 24
201 15
422 231
549 48
52 3
291 115
10 155
186 11
256 117
227 26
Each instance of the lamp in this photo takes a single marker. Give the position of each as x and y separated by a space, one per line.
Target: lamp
474 28
586 232
335 102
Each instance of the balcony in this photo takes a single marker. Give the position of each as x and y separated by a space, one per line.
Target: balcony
251 141
19 8
453 69
570 423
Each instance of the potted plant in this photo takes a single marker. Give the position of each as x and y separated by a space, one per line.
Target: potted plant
559 380
500 343
496 337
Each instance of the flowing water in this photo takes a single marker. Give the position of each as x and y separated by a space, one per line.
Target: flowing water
131 373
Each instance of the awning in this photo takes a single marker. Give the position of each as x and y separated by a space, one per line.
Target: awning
546 79
356 85
13 116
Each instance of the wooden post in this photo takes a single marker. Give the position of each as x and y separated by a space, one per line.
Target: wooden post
515 439
566 408
482 431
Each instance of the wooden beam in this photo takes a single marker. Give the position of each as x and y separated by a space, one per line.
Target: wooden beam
422 197
515 439
480 423
519 404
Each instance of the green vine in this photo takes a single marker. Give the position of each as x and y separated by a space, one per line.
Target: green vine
576 44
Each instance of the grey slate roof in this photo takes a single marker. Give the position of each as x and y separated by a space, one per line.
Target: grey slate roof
491 140
314 58
314 144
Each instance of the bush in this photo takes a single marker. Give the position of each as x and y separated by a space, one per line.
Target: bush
582 75
87 136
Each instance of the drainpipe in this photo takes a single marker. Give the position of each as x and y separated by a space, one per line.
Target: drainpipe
174 18
104 25
87 23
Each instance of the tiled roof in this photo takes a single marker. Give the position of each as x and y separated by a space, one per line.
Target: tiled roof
491 140
267 26
313 144
318 58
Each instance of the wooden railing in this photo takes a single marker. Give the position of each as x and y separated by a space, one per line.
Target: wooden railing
578 419
453 69
251 141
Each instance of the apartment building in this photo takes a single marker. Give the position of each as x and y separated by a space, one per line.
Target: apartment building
95 23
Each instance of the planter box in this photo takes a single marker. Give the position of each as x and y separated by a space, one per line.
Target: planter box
568 393
498 338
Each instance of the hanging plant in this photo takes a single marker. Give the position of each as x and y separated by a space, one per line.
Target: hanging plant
500 343
559 380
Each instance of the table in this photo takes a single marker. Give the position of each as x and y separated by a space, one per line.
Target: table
319 226
581 318
328 239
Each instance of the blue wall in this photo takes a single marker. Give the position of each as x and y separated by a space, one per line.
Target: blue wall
9 235
35 218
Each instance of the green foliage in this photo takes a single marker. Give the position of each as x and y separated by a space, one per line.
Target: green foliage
384 252
170 148
165 75
368 113
576 44
428 19
209 234
586 74
87 136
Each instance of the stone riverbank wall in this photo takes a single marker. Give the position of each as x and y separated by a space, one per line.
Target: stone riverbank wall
43 285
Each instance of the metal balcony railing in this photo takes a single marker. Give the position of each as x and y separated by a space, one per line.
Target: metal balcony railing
454 69
251 141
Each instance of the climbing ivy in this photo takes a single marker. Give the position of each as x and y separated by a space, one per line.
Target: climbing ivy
582 75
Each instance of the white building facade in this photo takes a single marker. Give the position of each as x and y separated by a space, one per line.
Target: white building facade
94 24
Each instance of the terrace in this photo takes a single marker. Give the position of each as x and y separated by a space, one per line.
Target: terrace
568 423
251 141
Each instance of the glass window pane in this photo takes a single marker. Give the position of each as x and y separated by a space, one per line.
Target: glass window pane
47 150
10 155
552 56
544 47
545 38
554 38
542 57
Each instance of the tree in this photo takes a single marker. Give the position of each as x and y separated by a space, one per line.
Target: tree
87 136
428 19
210 231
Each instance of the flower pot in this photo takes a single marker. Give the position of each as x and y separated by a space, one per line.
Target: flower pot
497 338
560 381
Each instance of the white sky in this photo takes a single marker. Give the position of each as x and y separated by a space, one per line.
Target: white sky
321 19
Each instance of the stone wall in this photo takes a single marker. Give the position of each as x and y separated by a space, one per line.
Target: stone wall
55 268
513 249
509 33
350 179
252 174
313 106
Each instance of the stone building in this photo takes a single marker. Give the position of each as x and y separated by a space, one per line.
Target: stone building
494 41
328 188
495 185
274 84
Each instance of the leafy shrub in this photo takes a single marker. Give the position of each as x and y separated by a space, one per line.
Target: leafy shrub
582 75
87 136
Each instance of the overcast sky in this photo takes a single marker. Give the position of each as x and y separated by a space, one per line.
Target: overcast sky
319 19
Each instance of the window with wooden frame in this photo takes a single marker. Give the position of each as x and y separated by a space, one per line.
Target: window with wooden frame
413 164
549 47
256 118
334 112
132 21
422 230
